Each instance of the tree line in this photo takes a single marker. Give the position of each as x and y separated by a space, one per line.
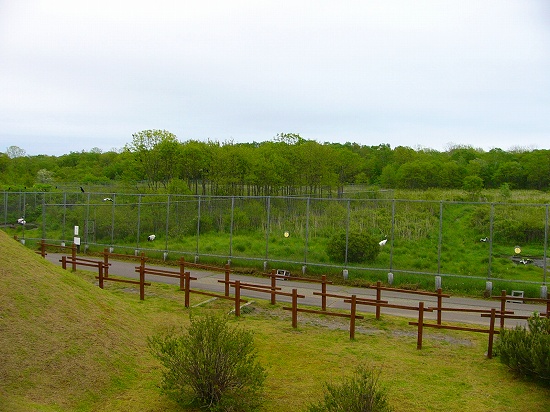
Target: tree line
286 165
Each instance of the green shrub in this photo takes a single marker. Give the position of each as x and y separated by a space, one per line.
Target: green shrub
361 248
212 364
359 393
527 350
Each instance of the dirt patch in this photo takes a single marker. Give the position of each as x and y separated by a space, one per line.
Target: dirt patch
342 324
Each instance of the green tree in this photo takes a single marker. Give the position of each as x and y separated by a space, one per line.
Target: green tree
511 173
196 159
315 166
268 166
156 152
536 165
473 185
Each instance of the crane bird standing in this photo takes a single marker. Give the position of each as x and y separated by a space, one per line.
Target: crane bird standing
383 242
150 238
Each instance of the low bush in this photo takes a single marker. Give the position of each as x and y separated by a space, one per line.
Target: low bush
212 364
359 393
360 248
527 350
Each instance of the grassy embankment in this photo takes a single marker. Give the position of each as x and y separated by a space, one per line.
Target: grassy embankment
69 346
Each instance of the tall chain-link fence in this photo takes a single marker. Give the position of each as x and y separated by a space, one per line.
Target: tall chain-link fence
485 241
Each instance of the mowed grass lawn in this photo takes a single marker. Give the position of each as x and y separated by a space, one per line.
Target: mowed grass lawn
69 346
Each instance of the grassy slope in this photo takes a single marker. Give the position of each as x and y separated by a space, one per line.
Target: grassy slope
63 340
69 346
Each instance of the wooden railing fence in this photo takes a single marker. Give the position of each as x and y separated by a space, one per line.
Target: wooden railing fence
274 291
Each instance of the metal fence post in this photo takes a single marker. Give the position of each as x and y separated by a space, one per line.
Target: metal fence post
64 216
198 226
392 234
347 234
231 227
167 220
491 221
268 217
113 220
440 237
545 246
138 222
307 231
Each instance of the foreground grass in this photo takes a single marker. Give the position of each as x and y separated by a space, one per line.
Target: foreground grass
70 346
450 373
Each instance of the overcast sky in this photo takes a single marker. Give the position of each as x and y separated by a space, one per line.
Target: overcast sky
77 75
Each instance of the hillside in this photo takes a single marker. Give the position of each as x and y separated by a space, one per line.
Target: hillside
63 340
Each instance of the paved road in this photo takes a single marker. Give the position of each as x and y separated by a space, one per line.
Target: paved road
208 281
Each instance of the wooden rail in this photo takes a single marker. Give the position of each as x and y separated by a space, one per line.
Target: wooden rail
352 315
164 272
323 281
107 255
141 281
439 294
491 331
504 297
44 245
262 288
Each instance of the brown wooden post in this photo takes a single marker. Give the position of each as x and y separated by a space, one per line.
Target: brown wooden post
491 333
378 299
100 267
227 272
352 317
142 278
439 305
187 275
43 248
237 298
548 305
182 273
324 291
64 262
73 256
294 308
106 261
502 307
273 286
420 325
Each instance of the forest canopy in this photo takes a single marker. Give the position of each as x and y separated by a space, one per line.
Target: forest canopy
286 165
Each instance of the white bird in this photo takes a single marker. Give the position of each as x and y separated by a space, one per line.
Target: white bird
107 199
484 239
525 261
150 238
21 221
382 242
